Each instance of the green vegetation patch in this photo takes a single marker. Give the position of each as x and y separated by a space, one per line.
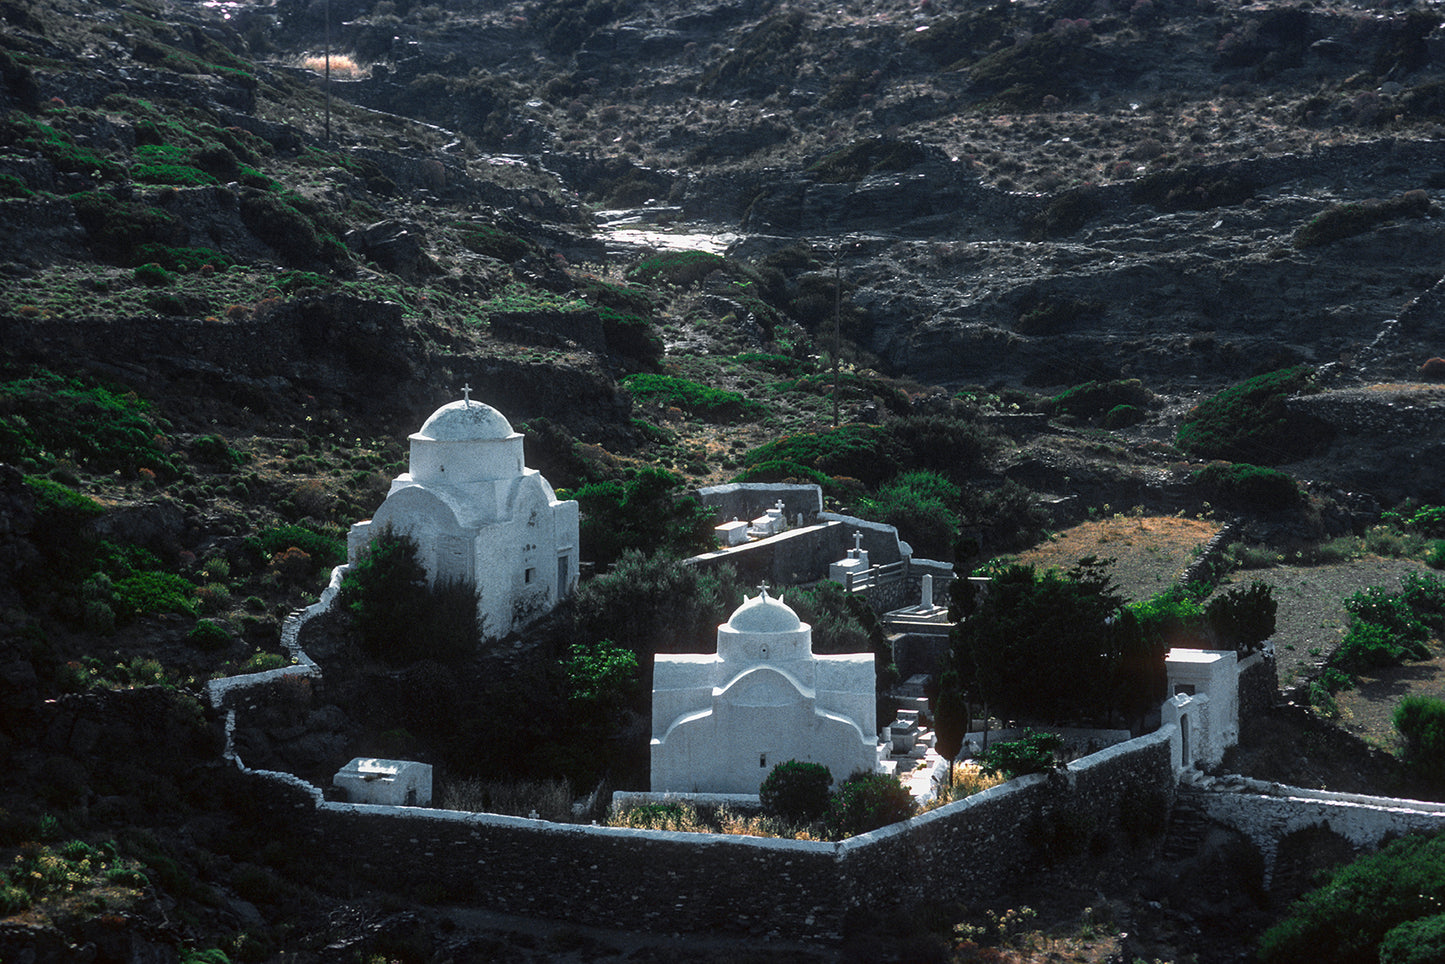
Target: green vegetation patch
1351 917
1347 220
1250 422
47 417
1245 486
702 401
682 269
119 229
56 146
1095 398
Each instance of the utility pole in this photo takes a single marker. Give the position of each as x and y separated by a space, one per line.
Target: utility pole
837 321
327 15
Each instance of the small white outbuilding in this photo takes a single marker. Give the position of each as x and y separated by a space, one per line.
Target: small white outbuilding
394 783
480 516
721 721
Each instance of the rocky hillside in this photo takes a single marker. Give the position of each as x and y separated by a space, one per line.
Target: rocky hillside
1032 236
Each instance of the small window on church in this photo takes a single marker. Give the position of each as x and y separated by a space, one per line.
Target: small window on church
1183 689
762 759
530 575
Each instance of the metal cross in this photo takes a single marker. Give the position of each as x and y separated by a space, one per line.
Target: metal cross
467 395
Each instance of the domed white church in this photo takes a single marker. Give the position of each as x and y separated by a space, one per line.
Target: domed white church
721 721
480 516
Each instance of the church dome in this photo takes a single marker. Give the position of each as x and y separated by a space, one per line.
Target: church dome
466 421
764 614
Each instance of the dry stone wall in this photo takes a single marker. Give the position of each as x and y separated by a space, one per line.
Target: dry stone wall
656 881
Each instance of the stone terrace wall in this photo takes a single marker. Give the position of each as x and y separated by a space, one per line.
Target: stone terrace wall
645 880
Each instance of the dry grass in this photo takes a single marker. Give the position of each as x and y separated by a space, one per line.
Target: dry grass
1149 552
551 799
684 818
342 66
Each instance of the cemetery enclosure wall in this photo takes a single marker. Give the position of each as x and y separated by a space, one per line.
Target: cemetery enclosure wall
1110 804
654 881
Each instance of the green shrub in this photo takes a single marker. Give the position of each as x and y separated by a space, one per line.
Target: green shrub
1034 752
863 452
782 470
1249 422
1247 486
712 404
398 617
1122 416
1415 942
494 242
1345 920
923 506
209 636
1369 646
1393 612
152 593
1420 721
1346 220
214 450
867 801
181 259
325 549
1243 618
796 791
1171 618
681 268
1428 520
1092 399
291 226
647 511
118 230
100 428
58 147
1052 315
153 275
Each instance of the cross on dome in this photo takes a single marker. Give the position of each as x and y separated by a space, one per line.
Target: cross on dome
467 395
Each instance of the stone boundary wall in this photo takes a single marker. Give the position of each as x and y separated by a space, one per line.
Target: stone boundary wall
223 693
1200 567
1258 685
677 882
746 501
788 558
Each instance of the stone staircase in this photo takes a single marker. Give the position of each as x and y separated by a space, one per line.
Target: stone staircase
1187 826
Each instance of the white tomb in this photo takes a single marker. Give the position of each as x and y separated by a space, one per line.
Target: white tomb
395 783
770 523
853 565
721 721
480 516
732 533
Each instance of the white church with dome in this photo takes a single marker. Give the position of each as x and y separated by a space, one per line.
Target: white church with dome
480 516
721 721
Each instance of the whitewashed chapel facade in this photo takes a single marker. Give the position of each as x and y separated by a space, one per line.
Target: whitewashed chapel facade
721 721
480 516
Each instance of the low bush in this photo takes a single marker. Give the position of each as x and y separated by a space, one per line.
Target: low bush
1415 942
647 511
495 242
867 801
702 401
1242 618
1193 188
863 452
398 617
1053 315
1368 646
119 230
1346 220
1420 721
1395 613
209 636
1249 422
1346 919
681 268
153 275
1033 752
796 791
325 549
1093 399
923 506
1245 486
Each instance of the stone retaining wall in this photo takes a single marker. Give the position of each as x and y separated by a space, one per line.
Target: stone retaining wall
1258 686
657 881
